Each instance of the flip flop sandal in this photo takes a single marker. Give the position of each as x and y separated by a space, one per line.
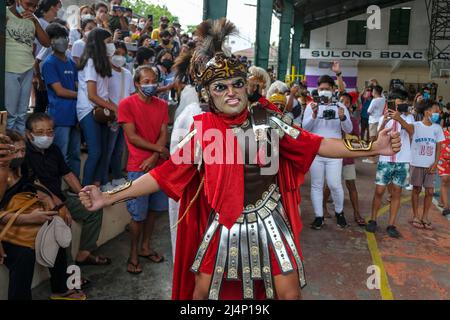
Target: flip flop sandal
428 225
360 221
135 266
70 295
417 224
151 257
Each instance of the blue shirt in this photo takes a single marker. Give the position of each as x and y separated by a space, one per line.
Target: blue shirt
365 107
62 110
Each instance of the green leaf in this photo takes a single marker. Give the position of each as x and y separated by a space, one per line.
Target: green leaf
143 8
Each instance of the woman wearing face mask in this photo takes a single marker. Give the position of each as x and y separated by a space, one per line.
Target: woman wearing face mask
79 45
93 90
164 63
120 87
18 251
86 13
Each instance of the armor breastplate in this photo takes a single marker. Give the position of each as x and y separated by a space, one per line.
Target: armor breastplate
255 184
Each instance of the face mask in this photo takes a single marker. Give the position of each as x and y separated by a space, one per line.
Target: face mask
87 17
60 45
149 90
118 61
129 59
20 9
435 118
16 163
42 142
166 41
141 25
167 64
61 14
326 93
403 107
110 49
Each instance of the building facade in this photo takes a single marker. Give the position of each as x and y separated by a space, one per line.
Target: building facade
396 49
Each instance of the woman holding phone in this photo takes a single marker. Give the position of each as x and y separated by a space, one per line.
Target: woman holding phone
93 82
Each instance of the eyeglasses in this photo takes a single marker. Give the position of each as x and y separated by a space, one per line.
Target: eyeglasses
40 133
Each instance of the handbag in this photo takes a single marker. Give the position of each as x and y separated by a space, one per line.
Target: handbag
21 235
104 115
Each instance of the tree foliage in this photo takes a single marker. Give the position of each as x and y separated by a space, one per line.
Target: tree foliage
144 8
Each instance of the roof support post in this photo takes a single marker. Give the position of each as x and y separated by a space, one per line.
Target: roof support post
263 28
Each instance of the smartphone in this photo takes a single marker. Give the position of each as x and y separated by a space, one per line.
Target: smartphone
119 8
150 17
3 115
391 105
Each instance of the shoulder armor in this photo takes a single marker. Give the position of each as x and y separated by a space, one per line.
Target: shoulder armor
283 123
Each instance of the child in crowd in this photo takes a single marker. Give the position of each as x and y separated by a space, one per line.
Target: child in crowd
425 153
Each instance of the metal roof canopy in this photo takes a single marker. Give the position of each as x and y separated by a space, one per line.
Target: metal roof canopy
324 12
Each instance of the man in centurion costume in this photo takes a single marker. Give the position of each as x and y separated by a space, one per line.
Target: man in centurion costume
239 224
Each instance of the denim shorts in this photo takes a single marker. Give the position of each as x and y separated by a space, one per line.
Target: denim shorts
140 207
392 172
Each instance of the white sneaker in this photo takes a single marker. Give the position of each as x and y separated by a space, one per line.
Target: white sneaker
107 187
368 161
118 182
409 188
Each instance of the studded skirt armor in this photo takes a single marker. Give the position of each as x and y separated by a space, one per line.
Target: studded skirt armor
244 251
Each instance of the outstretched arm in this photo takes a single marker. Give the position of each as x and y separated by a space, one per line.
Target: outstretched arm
93 199
387 144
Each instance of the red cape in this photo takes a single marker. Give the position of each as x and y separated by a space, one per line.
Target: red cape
181 182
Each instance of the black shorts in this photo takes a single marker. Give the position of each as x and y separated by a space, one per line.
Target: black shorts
364 122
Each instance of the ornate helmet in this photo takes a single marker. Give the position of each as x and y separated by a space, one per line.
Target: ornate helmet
211 61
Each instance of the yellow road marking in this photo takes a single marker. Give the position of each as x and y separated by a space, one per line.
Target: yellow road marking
385 289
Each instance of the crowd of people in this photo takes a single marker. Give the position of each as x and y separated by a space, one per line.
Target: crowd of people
104 88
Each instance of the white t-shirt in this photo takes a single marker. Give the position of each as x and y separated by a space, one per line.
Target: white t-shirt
375 109
327 128
115 85
404 155
423 147
78 48
84 105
